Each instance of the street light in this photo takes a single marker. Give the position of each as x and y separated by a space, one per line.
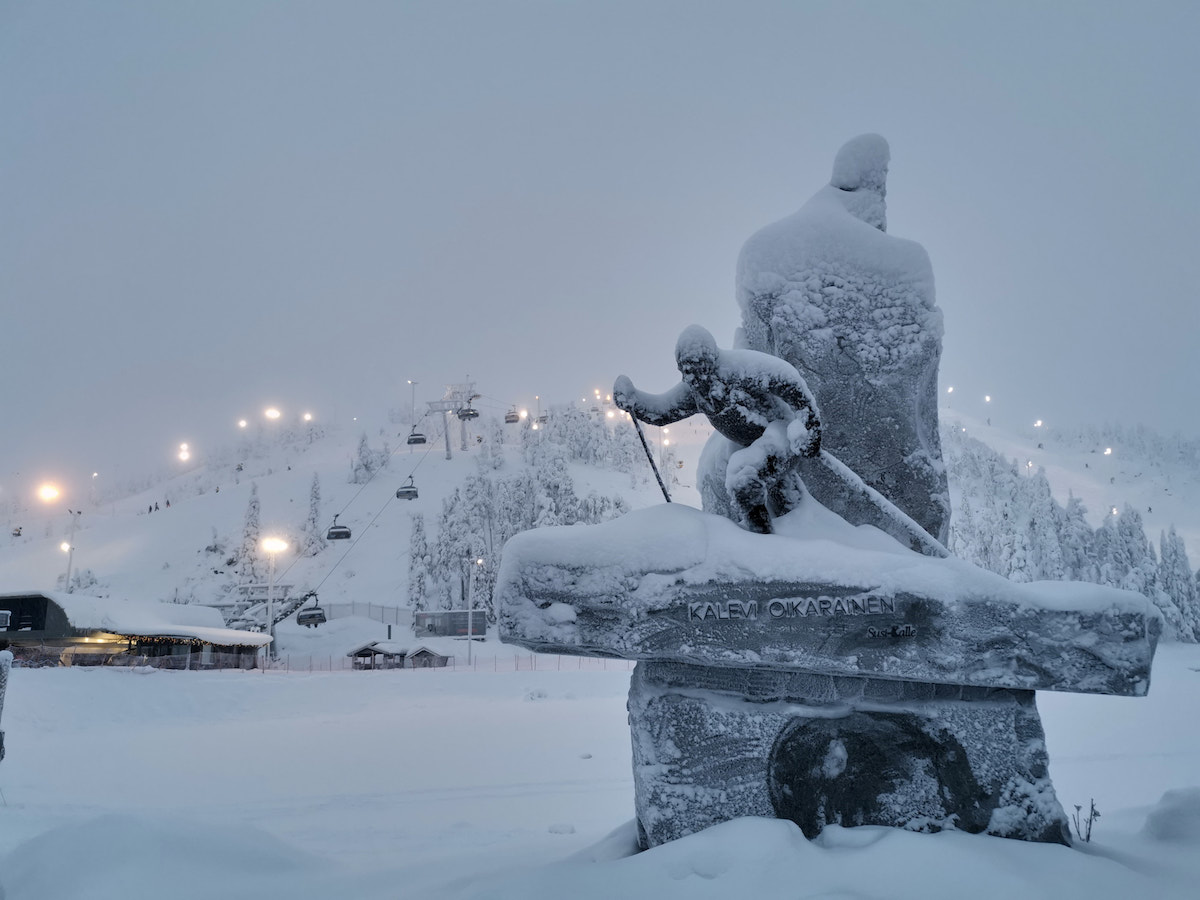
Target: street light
471 604
184 453
242 423
308 417
272 546
272 413
68 546
48 492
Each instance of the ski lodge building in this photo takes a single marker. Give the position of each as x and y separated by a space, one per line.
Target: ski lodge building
54 627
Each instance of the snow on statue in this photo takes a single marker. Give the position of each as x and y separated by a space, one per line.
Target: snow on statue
761 409
852 308
823 673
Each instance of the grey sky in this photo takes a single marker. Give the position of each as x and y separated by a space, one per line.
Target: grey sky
212 206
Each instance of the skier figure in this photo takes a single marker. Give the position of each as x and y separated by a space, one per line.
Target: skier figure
757 402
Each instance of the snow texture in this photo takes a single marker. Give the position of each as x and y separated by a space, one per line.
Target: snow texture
821 596
852 308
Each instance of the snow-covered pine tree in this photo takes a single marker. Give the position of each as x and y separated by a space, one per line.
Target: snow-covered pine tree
1134 558
418 565
1042 523
314 534
1076 540
453 546
365 463
491 451
1176 581
250 566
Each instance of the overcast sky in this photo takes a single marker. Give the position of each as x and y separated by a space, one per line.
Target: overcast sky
212 206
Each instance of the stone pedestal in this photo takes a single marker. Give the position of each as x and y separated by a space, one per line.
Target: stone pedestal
710 744
817 679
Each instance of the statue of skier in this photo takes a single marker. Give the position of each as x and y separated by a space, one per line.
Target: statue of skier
760 406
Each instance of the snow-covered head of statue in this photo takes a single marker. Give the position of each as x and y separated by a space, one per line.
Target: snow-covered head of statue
860 173
697 356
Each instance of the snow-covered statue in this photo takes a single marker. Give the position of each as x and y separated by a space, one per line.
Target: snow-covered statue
852 308
764 416
823 673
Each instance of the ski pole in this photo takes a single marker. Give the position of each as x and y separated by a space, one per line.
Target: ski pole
650 456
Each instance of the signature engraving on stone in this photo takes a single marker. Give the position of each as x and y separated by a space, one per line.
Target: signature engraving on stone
791 608
722 609
903 631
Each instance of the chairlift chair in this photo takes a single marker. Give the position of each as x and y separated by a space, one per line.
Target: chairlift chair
467 413
415 437
407 491
313 616
511 417
337 532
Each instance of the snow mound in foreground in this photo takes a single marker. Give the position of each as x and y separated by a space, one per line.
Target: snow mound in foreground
110 856
1176 818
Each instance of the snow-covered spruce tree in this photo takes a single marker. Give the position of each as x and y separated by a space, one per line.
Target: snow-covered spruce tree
1131 564
249 564
1176 581
491 451
314 535
418 565
1077 541
452 547
558 504
1042 524
366 462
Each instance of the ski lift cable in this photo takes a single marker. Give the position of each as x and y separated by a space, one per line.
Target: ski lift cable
429 447
377 515
353 544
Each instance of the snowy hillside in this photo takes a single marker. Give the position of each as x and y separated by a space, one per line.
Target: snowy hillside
1158 476
187 552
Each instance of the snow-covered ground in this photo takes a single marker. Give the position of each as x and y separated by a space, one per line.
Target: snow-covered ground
511 784
495 780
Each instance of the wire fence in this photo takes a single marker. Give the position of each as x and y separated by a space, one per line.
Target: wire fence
288 663
525 662
388 615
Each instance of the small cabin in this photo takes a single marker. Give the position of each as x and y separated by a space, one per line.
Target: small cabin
424 658
379 655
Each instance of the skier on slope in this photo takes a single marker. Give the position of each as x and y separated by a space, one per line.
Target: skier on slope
754 400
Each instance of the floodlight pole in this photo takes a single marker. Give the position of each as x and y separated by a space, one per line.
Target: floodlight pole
470 603
75 514
271 653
